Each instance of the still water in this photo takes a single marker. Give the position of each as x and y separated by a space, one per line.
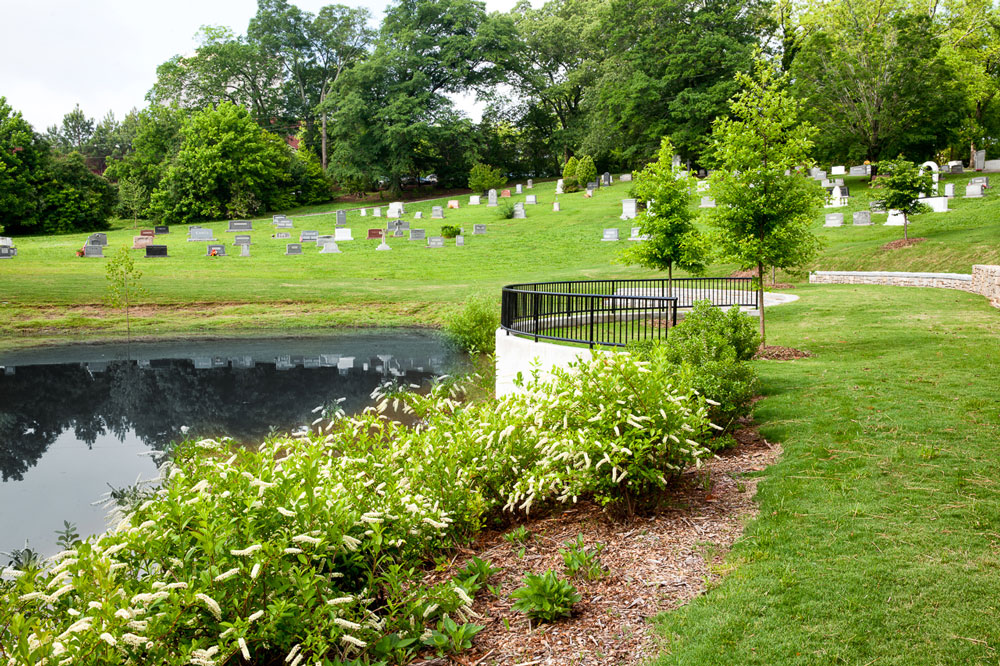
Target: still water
77 420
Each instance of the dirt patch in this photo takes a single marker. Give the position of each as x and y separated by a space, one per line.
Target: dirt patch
901 243
655 563
777 353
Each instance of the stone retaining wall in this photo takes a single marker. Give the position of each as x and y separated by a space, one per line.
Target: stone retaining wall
984 280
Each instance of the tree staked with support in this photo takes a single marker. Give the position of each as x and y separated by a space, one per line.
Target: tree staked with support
763 216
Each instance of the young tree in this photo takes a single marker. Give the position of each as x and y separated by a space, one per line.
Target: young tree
483 177
132 198
124 284
901 187
762 217
668 219
586 171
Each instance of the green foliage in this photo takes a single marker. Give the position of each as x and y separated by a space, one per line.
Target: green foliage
451 637
569 170
733 328
124 282
132 198
519 534
570 185
475 573
581 560
483 178
763 218
473 328
546 598
226 166
450 231
586 171
67 537
505 210
903 184
668 219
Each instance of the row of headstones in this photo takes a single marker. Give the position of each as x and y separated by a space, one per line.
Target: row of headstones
612 235
7 249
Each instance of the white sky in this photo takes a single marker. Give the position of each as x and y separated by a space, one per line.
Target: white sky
103 54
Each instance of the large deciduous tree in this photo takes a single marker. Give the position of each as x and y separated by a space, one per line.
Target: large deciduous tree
668 71
23 157
874 81
668 220
763 216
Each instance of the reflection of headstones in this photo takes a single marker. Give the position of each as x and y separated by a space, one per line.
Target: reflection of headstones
834 220
293 248
156 251
628 209
610 235
862 218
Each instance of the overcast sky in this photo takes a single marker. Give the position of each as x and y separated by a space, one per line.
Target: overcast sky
103 54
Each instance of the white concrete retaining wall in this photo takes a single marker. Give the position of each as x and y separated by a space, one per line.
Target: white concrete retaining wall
520 355
984 280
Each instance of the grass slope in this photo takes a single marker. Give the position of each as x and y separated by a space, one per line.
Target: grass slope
878 540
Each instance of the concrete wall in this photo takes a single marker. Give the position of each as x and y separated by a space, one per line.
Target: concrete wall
517 355
984 280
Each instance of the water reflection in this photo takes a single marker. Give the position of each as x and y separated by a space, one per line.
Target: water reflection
73 419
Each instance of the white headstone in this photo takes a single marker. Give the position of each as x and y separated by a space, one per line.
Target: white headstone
949 189
437 213
974 190
702 186
329 247
895 218
707 202
937 204
517 188
519 211
244 250
474 200
531 199
625 178
491 198
834 220
396 209
628 209
610 235
418 215
559 186
364 212
531 184
341 235
555 206
377 212
383 246
837 170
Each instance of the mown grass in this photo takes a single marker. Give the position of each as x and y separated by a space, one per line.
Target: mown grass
410 284
878 540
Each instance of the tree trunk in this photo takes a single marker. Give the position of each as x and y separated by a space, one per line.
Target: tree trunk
760 298
972 155
322 134
670 279
906 221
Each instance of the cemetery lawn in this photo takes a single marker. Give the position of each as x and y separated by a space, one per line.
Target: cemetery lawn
878 540
50 295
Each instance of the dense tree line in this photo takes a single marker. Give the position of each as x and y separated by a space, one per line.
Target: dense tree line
374 107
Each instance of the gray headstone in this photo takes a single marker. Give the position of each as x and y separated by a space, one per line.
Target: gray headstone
241 239
220 250
160 231
98 239
93 250
628 209
398 233
460 241
284 224
834 220
555 206
949 189
593 185
862 218
980 160
478 229
974 190
330 247
519 211
606 179
418 234
610 235
383 246
309 236
341 218
531 199
397 224
7 241
200 235
239 225
244 250
435 241
377 212
7 252
282 235
437 213
517 188
293 248
625 178
531 184
491 199
418 215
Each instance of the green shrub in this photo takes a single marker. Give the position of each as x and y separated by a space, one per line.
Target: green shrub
581 560
450 231
738 330
569 170
474 575
586 171
473 328
483 177
546 597
570 185
505 210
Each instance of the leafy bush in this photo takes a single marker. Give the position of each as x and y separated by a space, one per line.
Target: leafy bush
449 231
505 210
451 637
519 534
586 171
736 329
483 177
474 575
569 170
546 597
473 328
581 560
570 185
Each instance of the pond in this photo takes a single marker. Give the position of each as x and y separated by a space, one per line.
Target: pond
79 420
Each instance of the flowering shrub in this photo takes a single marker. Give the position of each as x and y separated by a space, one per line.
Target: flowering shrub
311 549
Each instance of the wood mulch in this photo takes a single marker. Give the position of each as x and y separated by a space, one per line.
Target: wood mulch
778 353
655 563
901 243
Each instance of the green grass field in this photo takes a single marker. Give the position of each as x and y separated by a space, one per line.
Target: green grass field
878 540
49 293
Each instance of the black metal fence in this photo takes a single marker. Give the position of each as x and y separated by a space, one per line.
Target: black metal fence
612 312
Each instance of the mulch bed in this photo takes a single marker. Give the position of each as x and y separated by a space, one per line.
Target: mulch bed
897 244
752 273
777 353
655 563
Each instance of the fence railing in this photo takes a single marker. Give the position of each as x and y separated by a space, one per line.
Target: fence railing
612 312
